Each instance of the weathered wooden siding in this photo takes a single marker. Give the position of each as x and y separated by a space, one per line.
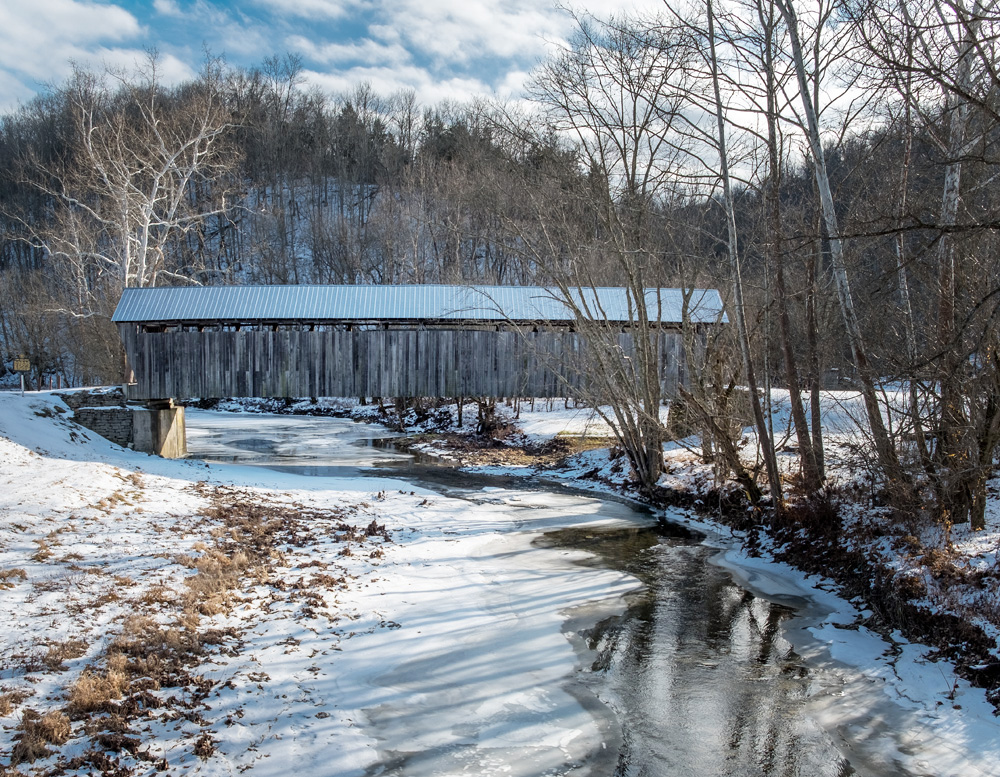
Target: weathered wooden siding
373 363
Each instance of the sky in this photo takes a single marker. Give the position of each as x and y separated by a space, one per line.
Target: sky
441 49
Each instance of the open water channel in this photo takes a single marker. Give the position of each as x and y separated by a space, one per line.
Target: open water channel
706 668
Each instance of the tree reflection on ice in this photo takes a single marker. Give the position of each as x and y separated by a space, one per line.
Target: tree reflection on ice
698 671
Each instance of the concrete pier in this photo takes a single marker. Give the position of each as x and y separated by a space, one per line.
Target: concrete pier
156 426
159 428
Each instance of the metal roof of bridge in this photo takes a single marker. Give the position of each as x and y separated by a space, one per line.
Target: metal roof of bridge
403 303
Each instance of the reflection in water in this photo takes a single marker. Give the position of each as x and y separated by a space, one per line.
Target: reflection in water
697 670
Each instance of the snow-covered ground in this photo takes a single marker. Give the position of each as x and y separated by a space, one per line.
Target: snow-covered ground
317 634
230 619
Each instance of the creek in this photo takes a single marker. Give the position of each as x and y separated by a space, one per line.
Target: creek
703 668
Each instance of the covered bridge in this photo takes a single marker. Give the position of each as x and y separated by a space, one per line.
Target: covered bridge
385 341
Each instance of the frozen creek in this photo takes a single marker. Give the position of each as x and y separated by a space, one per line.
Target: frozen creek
560 633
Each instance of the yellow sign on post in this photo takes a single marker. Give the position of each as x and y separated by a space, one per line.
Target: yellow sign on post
22 365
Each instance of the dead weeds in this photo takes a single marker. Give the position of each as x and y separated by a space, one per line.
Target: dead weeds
36 732
96 690
204 747
512 451
44 551
59 652
248 544
8 575
11 700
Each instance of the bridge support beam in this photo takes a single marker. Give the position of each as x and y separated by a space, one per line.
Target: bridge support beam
158 428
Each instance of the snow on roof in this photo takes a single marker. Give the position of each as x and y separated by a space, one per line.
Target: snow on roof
404 303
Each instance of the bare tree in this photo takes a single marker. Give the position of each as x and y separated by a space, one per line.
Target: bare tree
764 434
616 91
766 50
123 200
939 57
884 448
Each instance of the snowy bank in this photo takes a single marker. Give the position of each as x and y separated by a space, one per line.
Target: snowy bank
213 619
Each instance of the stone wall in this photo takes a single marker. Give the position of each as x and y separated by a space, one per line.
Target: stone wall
104 412
99 398
112 423
157 428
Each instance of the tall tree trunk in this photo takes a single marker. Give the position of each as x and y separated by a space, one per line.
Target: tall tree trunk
815 362
884 449
774 248
902 278
953 444
763 433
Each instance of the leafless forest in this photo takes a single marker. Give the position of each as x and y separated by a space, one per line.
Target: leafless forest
832 166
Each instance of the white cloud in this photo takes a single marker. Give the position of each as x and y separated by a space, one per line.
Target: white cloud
440 48
450 33
38 40
385 81
167 7
13 91
385 32
365 51
457 32
513 83
227 32
462 30
309 9
33 38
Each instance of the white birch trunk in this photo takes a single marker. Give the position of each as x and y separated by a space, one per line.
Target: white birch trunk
884 448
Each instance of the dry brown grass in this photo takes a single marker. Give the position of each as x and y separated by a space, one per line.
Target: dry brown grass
327 581
135 479
10 700
37 732
58 652
204 747
117 742
84 605
95 691
217 576
8 575
483 451
157 595
109 503
144 657
44 551
151 656
54 584
245 545
31 661
142 639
